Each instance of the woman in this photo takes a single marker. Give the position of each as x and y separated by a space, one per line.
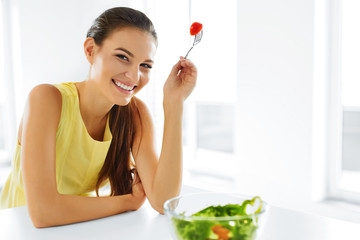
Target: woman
76 137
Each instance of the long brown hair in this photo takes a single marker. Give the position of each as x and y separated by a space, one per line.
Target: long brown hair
118 167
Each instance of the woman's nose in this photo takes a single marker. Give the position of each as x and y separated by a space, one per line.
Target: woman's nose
133 74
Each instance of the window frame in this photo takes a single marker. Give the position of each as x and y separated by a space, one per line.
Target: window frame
335 187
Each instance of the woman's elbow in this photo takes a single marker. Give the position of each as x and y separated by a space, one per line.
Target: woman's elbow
158 203
158 206
159 209
40 224
43 215
39 220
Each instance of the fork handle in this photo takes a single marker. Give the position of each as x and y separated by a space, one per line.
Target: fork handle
188 52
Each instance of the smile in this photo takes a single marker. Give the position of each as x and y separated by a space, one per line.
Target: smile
123 86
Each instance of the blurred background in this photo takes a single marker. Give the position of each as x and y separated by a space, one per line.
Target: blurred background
276 111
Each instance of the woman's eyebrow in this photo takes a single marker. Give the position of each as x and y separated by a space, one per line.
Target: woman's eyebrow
131 54
149 60
127 51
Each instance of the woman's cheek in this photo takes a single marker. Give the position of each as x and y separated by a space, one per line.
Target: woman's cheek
143 82
146 80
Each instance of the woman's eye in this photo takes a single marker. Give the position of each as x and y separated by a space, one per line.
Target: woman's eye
146 65
122 57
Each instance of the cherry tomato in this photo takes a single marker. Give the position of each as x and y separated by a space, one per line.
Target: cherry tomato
195 28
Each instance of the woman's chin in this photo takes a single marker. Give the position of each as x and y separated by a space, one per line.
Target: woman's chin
123 102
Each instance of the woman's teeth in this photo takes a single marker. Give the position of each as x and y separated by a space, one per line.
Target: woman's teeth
123 86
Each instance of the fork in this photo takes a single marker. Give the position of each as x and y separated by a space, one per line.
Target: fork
196 41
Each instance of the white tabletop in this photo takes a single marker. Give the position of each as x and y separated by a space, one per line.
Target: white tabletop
146 223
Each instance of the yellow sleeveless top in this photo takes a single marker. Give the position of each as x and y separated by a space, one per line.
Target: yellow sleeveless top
79 158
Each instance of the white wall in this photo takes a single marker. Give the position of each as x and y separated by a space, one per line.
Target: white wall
284 74
275 57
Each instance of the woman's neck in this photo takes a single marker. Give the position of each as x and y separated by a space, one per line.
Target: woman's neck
94 108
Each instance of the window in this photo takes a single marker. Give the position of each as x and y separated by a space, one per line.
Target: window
344 154
210 114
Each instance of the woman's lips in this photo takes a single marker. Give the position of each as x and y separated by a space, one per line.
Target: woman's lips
123 87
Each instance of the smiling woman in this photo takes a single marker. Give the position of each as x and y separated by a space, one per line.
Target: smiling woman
136 54
76 137
128 76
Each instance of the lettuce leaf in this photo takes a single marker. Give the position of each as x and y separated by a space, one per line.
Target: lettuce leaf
244 229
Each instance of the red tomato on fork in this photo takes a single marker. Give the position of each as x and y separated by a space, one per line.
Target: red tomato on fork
195 28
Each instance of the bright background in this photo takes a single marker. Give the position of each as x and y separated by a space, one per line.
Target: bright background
254 124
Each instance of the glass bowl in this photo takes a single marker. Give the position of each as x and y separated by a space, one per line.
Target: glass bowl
185 226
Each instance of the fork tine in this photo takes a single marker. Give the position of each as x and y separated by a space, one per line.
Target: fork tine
198 37
201 33
196 41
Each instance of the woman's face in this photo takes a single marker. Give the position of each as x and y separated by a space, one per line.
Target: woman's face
121 65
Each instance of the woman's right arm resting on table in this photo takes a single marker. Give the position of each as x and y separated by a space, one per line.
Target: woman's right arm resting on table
46 206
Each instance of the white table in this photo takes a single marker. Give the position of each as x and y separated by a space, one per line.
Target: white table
146 223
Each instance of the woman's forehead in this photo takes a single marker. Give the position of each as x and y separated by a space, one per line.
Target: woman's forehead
140 43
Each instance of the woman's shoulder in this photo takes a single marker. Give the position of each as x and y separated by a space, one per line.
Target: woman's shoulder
42 110
45 92
142 107
54 94
45 98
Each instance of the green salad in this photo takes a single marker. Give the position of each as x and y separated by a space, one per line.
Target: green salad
243 228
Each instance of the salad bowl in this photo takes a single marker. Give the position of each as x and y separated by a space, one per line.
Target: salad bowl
215 216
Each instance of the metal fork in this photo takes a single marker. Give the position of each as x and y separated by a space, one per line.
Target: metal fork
196 41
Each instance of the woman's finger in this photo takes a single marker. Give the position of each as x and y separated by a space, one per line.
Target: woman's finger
176 68
186 63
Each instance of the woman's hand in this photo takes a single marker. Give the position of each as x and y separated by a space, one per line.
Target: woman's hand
181 81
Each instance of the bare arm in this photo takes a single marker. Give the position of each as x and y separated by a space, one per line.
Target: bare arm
162 176
45 205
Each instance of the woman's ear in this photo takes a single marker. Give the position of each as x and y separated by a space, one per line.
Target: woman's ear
89 49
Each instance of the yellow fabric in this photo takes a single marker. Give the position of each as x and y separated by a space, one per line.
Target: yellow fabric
79 157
